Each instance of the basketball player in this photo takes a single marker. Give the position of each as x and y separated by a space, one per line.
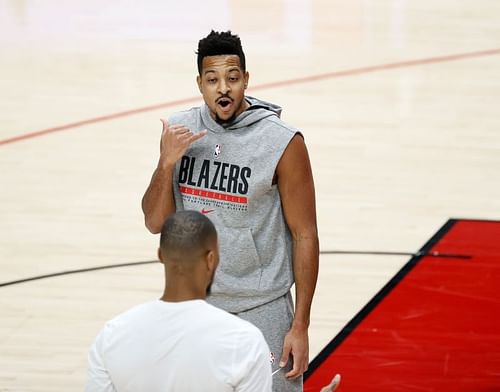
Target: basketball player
236 161
180 342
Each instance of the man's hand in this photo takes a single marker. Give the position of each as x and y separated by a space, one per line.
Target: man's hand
296 344
334 384
158 201
175 140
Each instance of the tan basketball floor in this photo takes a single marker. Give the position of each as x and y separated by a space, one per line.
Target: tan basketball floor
398 101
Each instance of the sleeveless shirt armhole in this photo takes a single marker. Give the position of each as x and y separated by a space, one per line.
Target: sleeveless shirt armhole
274 180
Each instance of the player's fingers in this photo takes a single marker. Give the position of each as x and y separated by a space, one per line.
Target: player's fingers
285 355
185 137
294 373
299 367
179 128
190 137
334 384
197 136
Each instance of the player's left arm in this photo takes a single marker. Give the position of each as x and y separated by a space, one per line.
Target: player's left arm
296 187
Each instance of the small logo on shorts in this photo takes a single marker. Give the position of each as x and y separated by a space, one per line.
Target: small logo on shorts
217 150
273 358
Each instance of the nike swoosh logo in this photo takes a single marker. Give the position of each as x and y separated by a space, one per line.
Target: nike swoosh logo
204 211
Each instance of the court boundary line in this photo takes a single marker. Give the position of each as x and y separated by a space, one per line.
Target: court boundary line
282 83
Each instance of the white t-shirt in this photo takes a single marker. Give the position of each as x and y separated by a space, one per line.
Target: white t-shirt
178 346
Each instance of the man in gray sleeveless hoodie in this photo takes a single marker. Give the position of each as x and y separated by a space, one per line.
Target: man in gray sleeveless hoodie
236 161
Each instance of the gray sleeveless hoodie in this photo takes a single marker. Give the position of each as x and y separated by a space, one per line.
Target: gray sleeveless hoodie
228 176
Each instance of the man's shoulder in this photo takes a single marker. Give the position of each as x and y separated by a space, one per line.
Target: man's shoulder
279 123
136 312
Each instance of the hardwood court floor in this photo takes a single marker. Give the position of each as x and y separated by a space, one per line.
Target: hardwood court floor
398 102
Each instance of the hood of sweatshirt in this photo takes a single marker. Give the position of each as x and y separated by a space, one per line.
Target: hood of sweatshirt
257 111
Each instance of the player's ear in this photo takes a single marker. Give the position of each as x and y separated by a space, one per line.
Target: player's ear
211 261
246 77
160 256
198 81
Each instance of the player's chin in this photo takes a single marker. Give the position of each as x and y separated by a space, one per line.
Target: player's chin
225 116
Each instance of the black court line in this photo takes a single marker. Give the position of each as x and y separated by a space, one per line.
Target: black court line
356 320
325 252
76 271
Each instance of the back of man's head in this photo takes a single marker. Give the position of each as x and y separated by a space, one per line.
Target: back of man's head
186 237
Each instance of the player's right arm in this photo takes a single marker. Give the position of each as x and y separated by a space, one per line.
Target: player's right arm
158 201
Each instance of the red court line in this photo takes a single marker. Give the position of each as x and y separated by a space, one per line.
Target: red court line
282 83
94 120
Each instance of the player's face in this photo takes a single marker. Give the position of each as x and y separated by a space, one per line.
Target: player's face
222 83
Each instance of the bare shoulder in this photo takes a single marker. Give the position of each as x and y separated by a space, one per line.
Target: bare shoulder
295 157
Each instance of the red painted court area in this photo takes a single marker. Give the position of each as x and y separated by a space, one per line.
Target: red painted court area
434 327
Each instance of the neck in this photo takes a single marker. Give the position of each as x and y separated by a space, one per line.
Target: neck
178 290
176 297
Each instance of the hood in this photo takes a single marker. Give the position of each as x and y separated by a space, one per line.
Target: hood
257 111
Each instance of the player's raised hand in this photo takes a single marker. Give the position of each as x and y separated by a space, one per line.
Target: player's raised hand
175 139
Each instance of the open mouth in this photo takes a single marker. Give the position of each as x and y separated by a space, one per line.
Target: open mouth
224 103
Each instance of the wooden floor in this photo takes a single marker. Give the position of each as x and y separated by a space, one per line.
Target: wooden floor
398 101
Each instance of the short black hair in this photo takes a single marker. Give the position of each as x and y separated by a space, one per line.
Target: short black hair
186 235
220 43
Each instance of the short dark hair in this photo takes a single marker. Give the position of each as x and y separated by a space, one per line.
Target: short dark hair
187 234
220 43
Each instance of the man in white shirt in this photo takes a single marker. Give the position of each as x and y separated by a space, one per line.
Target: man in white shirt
180 342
